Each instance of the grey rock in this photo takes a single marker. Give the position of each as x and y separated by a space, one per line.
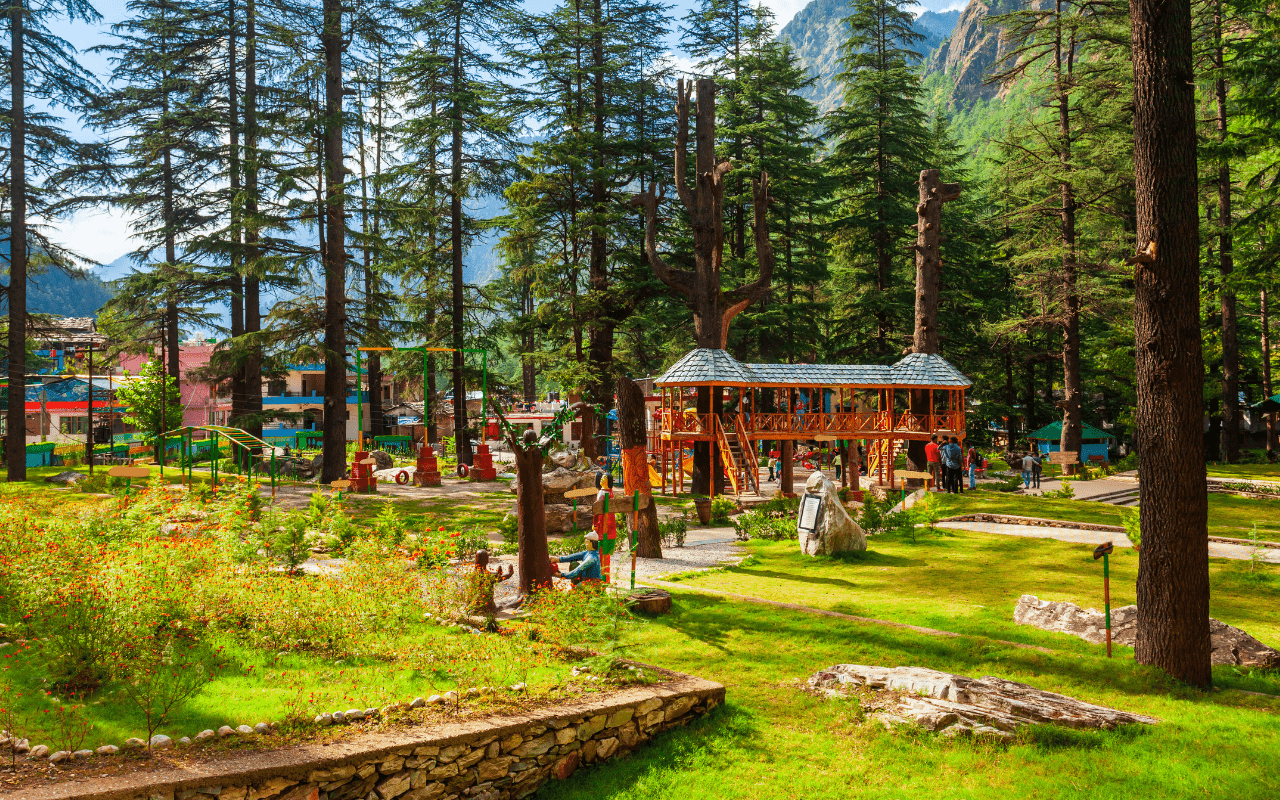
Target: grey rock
60 756
371 713
39 751
205 734
82 754
940 701
161 742
836 532
1229 645
68 478
324 719
339 717
244 730
418 702
385 460
185 740
436 700
225 731
134 743
262 729
23 746
107 750
353 714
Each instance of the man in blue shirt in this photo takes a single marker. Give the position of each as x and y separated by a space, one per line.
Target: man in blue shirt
589 569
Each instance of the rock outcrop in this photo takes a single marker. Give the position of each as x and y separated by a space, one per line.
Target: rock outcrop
837 532
68 478
958 705
1230 645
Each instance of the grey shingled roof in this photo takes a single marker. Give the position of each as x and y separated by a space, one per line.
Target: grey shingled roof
706 366
927 369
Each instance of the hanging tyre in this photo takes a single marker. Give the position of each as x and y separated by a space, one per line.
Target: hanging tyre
402 477
462 470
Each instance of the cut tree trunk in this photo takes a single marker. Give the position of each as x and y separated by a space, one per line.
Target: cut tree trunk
334 253
16 415
1173 573
635 466
933 193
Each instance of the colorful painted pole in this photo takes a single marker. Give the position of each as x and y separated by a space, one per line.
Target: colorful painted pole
1102 551
635 523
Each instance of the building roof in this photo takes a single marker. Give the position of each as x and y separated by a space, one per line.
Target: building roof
712 367
717 368
1053 432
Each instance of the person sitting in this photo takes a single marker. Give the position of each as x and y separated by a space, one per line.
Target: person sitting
589 569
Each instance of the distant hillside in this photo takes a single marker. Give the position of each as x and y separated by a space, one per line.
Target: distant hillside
816 33
80 294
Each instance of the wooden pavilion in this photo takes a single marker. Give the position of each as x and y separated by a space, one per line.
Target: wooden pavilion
802 402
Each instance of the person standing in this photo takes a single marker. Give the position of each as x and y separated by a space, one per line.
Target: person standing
933 462
1036 467
957 465
1028 463
973 460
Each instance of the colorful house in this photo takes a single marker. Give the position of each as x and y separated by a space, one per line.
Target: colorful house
1095 443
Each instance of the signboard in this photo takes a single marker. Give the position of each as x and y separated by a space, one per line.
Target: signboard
912 476
1064 457
341 484
810 512
572 493
129 472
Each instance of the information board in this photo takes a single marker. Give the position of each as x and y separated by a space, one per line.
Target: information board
810 512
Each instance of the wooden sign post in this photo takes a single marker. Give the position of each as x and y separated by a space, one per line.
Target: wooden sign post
129 473
909 475
339 485
1101 552
574 494
1064 457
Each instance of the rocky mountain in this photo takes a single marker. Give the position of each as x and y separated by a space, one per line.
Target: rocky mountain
971 53
816 33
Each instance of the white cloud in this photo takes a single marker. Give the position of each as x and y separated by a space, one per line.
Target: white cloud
784 10
100 234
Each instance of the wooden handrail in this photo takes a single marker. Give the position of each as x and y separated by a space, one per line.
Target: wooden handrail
726 454
749 453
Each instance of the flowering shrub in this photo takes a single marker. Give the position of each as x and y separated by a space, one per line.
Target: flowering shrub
590 614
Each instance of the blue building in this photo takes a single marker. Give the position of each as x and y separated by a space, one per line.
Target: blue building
1093 441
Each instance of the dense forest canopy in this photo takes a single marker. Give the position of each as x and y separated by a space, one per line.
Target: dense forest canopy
303 176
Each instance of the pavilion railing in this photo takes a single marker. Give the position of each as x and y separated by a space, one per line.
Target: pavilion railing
790 423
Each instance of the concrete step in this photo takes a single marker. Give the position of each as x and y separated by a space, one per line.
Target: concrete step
1121 497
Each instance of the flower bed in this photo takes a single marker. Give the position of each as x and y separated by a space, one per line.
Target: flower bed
177 612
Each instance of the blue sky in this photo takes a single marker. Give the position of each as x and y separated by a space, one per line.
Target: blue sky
104 235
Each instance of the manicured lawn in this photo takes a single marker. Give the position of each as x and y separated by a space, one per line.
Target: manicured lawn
1269 472
772 740
1228 515
968 582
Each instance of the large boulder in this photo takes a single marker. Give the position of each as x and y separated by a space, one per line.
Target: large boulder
1230 646
560 517
384 459
837 532
561 480
68 478
959 705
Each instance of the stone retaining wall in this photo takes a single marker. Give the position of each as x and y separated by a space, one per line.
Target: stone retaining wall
490 758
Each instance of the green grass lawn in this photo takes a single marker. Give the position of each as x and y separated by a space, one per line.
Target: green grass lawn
1269 472
1229 516
772 740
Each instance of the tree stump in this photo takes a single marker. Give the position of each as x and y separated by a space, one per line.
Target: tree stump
654 602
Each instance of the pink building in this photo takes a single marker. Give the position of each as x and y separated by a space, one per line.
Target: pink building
200 405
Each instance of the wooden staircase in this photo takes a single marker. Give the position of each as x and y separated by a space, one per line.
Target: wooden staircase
739 459
882 455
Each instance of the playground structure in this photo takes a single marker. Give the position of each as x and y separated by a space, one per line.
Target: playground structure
235 437
802 402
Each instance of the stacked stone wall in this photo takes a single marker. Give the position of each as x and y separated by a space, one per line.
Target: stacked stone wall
490 758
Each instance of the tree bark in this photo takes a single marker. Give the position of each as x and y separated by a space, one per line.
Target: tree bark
1072 418
1173 573
16 416
531 516
334 254
713 310
634 434
933 193
252 279
235 299
462 444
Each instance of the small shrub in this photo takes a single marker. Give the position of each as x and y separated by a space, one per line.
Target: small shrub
1131 518
721 507
755 525
674 530
1065 493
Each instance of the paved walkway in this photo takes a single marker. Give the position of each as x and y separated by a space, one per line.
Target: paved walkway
1081 536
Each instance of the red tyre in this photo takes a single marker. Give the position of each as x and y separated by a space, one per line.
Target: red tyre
462 470
402 477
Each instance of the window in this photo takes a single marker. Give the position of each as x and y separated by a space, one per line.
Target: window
74 426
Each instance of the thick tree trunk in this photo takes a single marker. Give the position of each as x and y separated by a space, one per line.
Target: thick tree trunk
933 193
634 435
252 280
16 415
1173 573
235 299
461 442
1265 323
1072 417
334 254
787 481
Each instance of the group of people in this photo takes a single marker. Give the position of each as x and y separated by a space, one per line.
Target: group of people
949 462
1031 466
